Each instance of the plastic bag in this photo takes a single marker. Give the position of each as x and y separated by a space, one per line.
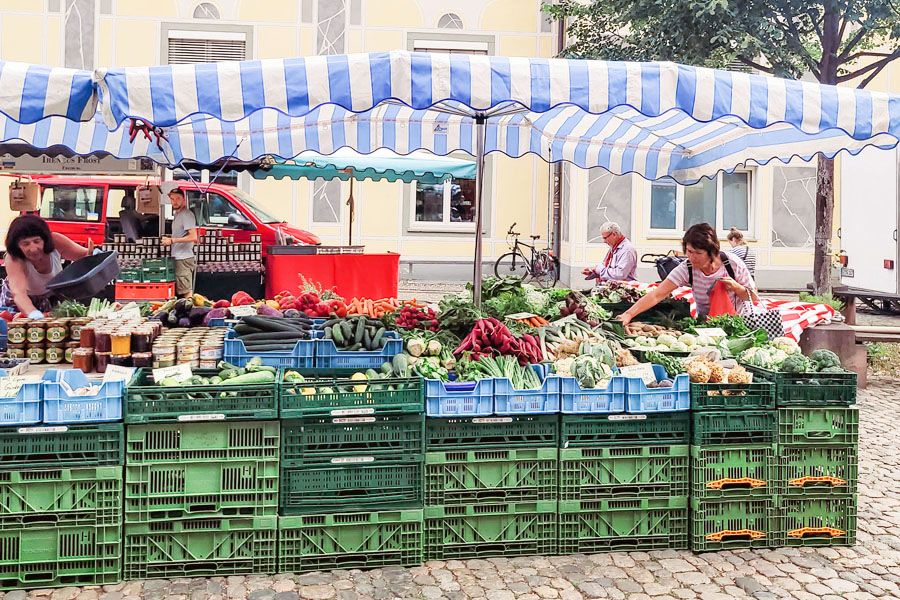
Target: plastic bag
720 301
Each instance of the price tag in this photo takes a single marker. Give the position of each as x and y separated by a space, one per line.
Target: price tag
49 429
518 316
243 311
710 335
492 420
349 412
10 386
644 371
350 420
117 373
350 460
627 418
207 417
128 312
178 373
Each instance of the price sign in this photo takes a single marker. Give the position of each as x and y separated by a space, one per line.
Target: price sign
178 373
128 312
710 335
243 311
117 373
643 371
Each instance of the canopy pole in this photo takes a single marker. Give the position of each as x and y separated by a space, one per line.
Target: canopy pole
351 202
479 186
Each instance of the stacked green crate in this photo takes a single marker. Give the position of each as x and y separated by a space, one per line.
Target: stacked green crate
733 466
351 474
201 498
623 482
60 505
491 486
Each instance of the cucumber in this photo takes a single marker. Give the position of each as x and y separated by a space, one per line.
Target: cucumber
328 334
347 330
338 333
376 339
360 330
331 322
355 347
367 340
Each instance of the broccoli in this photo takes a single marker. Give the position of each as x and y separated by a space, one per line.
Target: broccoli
823 359
795 363
833 370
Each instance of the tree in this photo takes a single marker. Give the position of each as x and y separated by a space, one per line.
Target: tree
835 41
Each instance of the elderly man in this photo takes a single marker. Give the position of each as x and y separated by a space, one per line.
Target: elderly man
620 263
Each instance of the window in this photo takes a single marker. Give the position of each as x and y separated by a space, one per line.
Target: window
326 201
202 46
450 21
72 203
206 10
449 202
724 202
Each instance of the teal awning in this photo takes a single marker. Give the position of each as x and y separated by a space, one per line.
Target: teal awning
345 164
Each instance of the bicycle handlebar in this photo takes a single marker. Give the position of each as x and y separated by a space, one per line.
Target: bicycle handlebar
511 232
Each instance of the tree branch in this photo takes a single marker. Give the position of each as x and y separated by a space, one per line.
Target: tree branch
876 66
856 39
756 65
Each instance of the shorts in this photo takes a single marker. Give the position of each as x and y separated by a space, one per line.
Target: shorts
184 275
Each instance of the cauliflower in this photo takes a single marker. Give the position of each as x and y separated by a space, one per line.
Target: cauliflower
666 340
564 367
535 298
786 344
757 357
739 375
688 340
680 346
641 340
778 357
699 372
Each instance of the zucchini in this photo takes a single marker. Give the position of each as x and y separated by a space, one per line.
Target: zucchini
242 329
273 347
338 333
360 330
268 324
274 335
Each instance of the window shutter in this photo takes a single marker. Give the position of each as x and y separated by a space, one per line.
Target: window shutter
184 51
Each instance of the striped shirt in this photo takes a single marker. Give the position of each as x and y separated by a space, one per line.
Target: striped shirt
747 255
703 284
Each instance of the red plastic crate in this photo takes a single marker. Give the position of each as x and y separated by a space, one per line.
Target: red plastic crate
145 291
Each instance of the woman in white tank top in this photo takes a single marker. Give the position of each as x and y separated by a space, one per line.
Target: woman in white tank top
34 256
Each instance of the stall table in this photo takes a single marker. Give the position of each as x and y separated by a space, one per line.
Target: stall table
351 275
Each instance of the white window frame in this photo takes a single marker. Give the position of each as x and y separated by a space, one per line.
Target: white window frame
444 225
721 228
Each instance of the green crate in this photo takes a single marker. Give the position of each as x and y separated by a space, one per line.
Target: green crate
38 555
482 433
162 491
623 525
587 474
493 475
733 471
146 402
586 431
59 446
391 438
350 541
486 530
816 521
207 547
340 396
733 523
157 270
63 494
730 427
348 487
759 395
818 425
130 276
203 442
805 470
810 389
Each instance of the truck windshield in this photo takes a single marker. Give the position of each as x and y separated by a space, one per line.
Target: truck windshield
260 213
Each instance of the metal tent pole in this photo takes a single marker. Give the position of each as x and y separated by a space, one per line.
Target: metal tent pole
479 185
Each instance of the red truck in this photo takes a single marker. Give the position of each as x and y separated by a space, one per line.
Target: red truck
83 208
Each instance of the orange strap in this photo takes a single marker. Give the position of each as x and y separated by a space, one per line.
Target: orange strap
805 532
802 481
743 482
735 534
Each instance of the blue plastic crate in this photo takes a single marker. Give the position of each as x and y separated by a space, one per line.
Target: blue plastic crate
60 407
329 357
24 408
641 399
301 357
4 330
579 400
510 401
469 399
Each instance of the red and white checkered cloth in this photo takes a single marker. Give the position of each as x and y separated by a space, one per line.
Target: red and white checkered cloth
795 316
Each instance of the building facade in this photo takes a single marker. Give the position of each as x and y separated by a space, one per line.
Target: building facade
430 226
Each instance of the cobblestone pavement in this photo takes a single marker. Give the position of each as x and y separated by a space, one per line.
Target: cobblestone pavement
869 570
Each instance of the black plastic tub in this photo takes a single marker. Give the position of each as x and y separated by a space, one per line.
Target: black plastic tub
86 277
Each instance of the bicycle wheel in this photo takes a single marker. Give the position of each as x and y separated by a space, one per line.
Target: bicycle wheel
512 265
546 271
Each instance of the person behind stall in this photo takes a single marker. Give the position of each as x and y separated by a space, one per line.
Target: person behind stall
740 249
184 236
34 256
620 263
130 219
706 264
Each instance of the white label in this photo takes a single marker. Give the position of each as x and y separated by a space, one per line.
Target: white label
347 412
9 386
118 373
178 373
243 311
53 429
209 417
847 272
128 312
522 315
346 420
710 335
350 460
492 420
643 370
627 417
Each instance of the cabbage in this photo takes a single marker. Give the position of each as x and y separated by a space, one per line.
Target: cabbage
641 340
688 340
680 346
666 340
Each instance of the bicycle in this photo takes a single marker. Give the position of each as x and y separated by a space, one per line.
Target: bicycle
542 268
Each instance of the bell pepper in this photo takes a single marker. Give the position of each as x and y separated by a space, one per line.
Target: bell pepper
222 304
241 299
273 304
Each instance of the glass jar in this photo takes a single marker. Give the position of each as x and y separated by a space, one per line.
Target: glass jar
57 332
101 360
85 336
37 332
55 354
18 332
70 351
120 360
16 351
102 340
141 340
121 342
141 359
83 358
36 354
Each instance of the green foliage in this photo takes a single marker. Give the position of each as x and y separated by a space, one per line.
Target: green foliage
826 299
795 363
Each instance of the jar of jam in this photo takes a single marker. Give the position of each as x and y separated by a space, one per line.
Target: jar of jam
36 354
69 351
85 336
120 360
75 327
18 332
101 360
141 359
83 358
16 351
57 331
37 332
121 342
54 354
141 340
102 340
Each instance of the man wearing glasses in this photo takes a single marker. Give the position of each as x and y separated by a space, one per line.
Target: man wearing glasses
620 263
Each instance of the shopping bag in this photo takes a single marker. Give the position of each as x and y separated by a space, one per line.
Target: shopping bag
757 316
720 301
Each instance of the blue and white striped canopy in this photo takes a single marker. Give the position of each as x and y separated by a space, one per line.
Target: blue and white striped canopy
29 93
659 120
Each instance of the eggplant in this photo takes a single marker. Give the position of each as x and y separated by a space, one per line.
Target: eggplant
184 322
197 314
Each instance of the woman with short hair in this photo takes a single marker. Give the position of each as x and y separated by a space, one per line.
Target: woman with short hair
740 249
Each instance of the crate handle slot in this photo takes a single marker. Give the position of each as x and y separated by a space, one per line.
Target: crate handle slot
816 532
826 479
734 484
38 577
819 435
735 534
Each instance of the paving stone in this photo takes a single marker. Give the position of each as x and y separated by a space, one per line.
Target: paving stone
676 565
317 592
749 585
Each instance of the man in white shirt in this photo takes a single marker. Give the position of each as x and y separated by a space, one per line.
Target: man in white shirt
620 263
